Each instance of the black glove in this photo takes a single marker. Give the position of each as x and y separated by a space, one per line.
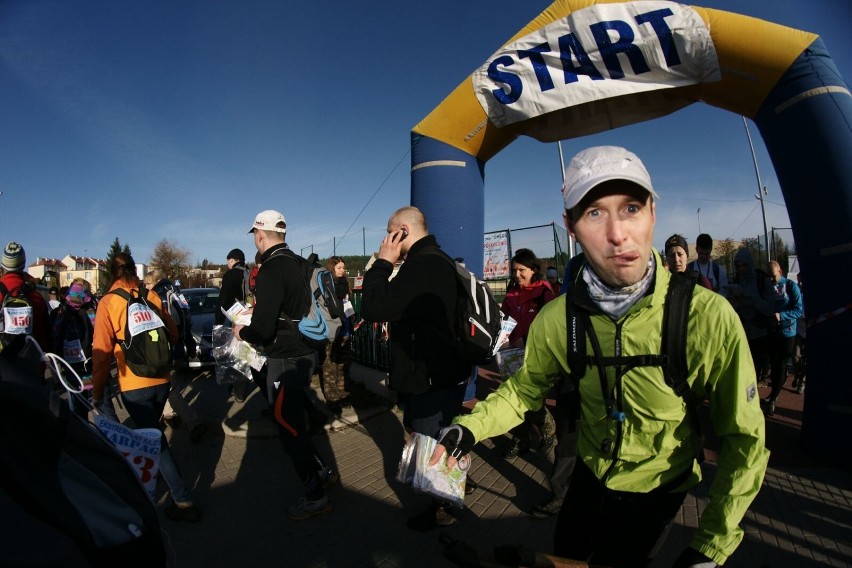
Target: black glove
458 440
691 558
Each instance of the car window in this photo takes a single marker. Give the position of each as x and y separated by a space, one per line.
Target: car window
202 301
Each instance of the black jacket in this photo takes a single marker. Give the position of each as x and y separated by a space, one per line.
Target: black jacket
420 304
232 290
281 294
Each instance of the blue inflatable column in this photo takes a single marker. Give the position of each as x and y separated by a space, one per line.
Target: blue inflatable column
448 185
806 123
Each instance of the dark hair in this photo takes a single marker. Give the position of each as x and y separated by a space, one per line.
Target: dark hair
704 241
237 255
527 258
332 262
676 241
124 268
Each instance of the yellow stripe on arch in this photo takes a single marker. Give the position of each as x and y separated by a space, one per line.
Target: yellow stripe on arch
753 54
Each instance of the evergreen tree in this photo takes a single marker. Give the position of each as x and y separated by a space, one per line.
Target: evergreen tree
114 249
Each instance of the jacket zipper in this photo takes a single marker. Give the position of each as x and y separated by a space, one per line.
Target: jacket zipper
619 403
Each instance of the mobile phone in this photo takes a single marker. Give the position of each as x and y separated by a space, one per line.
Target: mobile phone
404 233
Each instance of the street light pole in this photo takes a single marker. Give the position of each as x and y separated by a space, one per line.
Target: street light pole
761 191
572 249
699 220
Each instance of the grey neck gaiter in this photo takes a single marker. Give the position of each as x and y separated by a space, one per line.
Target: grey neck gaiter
616 301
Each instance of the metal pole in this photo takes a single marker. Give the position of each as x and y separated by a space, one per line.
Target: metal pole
333 246
699 220
572 250
761 190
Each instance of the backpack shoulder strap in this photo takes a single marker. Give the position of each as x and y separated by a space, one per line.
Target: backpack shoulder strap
246 290
675 322
575 324
3 290
305 270
121 292
675 370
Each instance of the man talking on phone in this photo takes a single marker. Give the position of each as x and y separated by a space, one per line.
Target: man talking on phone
419 302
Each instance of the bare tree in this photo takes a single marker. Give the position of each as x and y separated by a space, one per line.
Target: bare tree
172 260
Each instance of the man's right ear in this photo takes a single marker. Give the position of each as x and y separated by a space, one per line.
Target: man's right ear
569 226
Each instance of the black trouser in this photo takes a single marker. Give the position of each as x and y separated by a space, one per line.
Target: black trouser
759 348
613 528
780 349
429 412
566 416
288 399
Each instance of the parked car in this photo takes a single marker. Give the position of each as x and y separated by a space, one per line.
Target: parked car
203 303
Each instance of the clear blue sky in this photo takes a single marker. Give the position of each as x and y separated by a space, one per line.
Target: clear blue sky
167 119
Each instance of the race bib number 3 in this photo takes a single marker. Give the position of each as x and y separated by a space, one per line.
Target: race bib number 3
18 321
141 318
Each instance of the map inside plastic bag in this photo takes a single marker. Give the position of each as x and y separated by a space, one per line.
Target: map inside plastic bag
509 361
234 358
438 480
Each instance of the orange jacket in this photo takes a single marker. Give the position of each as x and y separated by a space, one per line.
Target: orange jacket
110 324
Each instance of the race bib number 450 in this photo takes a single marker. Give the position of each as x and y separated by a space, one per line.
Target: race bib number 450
141 318
18 321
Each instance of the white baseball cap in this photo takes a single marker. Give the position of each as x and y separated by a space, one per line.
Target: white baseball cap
598 164
269 220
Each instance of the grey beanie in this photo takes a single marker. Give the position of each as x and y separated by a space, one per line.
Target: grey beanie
14 257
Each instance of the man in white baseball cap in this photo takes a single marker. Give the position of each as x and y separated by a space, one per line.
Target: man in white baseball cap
281 302
269 220
639 436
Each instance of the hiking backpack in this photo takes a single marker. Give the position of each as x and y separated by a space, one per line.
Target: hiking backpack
321 320
672 357
68 497
477 320
17 316
145 345
178 308
325 308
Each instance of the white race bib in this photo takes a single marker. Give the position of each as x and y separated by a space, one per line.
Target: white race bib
141 318
18 321
184 305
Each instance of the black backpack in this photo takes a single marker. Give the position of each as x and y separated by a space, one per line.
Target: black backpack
321 319
148 353
478 318
672 356
174 303
68 497
17 310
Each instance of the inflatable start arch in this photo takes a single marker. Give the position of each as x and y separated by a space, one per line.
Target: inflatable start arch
583 67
